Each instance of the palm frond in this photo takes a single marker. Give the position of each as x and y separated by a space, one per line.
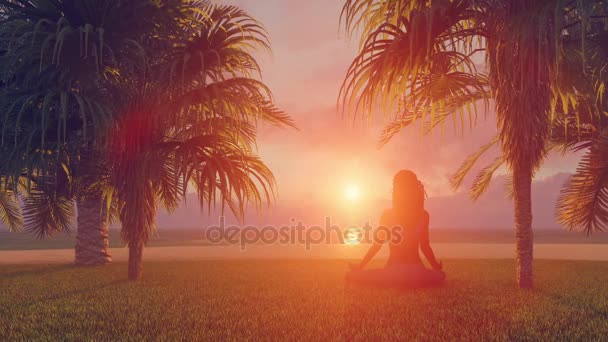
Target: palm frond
218 45
484 178
244 98
458 177
10 211
417 61
234 179
583 202
46 214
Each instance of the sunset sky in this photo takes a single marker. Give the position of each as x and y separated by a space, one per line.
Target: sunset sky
315 165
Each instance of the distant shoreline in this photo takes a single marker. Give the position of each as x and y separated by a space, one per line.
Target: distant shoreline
194 237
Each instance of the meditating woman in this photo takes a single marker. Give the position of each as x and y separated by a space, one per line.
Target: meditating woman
405 227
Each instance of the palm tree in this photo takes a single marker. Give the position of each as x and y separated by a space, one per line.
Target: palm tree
581 127
59 61
419 58
194 128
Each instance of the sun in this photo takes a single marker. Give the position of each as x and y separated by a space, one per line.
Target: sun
352 192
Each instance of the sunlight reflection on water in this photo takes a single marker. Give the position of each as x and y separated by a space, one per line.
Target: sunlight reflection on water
352 236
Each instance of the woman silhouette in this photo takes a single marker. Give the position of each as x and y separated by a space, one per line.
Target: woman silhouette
408 224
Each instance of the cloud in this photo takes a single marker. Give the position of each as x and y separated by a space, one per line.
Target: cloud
493 210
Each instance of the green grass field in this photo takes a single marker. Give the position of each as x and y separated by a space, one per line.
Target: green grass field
299 300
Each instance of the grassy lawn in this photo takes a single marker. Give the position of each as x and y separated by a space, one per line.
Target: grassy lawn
299 300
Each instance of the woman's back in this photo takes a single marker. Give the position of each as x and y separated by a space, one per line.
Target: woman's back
406 234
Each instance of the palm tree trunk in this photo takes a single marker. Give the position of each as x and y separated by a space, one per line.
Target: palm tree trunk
522 198
92 247
136 250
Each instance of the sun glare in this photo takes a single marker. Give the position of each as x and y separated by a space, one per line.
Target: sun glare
352 192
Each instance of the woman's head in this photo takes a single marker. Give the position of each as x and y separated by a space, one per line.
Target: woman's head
408 192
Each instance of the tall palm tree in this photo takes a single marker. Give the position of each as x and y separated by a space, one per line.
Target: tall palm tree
583 127
419 58
191 128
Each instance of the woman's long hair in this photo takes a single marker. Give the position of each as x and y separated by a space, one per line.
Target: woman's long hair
408 196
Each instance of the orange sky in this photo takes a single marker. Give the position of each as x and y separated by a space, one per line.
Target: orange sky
314 165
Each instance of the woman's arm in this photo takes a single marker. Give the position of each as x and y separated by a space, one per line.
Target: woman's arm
377 243
425 245
371 253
